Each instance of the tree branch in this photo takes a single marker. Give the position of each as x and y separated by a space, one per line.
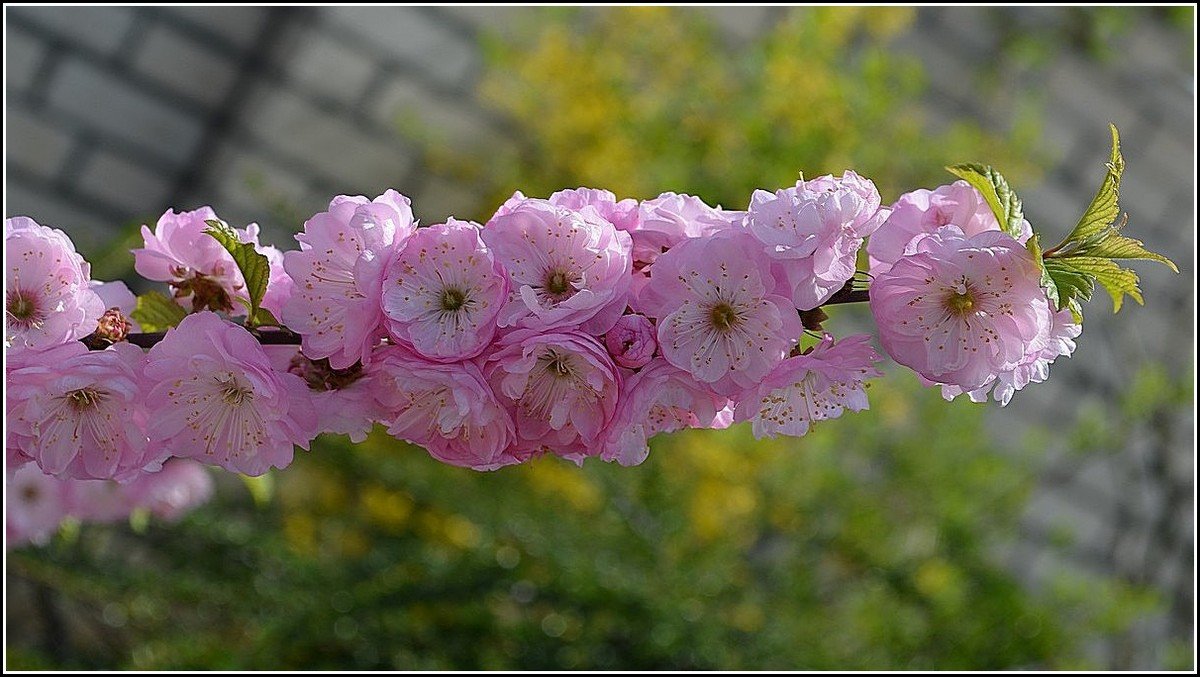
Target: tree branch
847 295
266 338
288 338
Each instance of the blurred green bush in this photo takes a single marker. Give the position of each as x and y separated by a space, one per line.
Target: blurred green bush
871 543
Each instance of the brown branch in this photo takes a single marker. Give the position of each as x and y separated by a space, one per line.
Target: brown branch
266 338
288 338
847 295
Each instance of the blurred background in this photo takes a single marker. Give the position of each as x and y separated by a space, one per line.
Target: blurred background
1055 533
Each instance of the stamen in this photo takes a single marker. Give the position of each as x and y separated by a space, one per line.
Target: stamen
453 299
85 398
724 317
23 309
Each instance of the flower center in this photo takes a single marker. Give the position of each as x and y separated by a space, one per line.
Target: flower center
558 284
233 392
30 494
724 317
85 398
453 299
206 293
960 304
558 365
23 309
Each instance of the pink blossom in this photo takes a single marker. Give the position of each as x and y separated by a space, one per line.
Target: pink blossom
35 504
279 285
631 341
717 314
810 387
79 414
661 398
567 269
199 269
172 492
169 493
447 408
47 298
1034 368
924 211
672 218
17 393
343 398
623 214
813 232
724 418
100 501
514 201
338 274
214 397
442 292
961 310
116 295
561 389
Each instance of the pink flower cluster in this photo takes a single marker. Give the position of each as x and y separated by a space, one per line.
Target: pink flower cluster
577 325
200 272
37 504
959 301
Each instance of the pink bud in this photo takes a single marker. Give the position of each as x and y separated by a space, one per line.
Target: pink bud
631 341
113 327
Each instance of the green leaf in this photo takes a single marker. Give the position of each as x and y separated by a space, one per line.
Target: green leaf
1087 256
156 312
1104 209
1115 246
264 318
1069 284
995 189
1117 281
1076 310
256 270
1034 245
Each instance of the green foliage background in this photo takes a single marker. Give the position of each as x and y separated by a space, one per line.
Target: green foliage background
874 542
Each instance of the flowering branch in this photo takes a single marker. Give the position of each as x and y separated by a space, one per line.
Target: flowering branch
577 325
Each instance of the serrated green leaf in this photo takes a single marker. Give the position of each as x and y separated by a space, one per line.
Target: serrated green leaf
1076 310
1120 247
1034 245
1070 285
156 312
1086 256
996 192
256 270
1105 207
1117 281
1098 234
